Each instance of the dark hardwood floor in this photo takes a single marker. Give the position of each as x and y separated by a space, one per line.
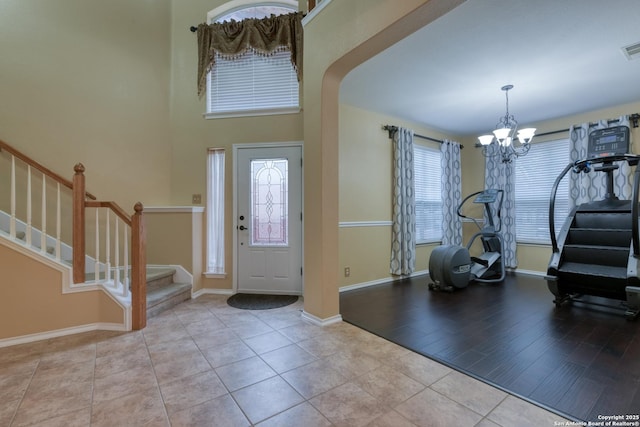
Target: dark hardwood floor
580 361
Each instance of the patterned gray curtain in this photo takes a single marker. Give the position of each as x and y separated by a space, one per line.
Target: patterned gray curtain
451 192
403 244
502 176
592 186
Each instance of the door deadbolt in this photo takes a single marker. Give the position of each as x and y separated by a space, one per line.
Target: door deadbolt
241 217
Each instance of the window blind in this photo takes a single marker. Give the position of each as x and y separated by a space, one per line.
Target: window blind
535 174
253 83
427 181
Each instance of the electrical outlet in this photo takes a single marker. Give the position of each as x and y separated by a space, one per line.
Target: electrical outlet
196 199
347 271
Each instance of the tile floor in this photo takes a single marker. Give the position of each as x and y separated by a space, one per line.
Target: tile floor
204 363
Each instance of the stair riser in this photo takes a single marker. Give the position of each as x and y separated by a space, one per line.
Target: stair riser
168 303
611 220
602 255
589 285
159 282
600 237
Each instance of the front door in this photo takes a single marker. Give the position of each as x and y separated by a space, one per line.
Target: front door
269 220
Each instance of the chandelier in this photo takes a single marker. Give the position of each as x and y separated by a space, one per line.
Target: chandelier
507 141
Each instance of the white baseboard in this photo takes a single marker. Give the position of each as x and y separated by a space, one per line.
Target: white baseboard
521 272
209 291
321 322
6 342
381 281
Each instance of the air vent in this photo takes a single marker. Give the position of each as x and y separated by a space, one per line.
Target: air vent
632 51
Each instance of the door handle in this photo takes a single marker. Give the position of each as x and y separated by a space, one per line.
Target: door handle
242 227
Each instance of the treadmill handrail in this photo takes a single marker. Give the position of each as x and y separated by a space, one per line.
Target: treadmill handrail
552 205
585 166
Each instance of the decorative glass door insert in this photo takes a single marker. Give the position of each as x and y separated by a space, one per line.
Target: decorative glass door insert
269 196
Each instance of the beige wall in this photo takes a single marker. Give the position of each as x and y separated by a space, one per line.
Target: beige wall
176 238
346 34
365 194
88 81
31 299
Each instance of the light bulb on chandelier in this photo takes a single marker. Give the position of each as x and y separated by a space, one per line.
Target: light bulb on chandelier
506 140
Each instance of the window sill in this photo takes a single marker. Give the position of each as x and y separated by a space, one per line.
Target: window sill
534 244
252 113
429 243
210 275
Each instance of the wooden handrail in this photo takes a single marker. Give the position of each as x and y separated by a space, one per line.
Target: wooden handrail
111 205
28 160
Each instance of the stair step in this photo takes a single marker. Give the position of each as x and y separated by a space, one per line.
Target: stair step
614 256
601 236
592 279
162 292
606 205
159 277
167 296
594 270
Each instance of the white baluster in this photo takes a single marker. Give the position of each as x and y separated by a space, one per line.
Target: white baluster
107 277
58 227
43 215
97 264
116 255
12 221
125 282
28 230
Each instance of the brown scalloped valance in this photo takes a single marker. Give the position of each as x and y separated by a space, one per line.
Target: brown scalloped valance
262 36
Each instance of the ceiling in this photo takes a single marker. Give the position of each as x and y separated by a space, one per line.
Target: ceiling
564 57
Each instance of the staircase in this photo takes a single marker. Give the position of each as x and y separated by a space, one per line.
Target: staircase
162 292
597 252
595 256
116 257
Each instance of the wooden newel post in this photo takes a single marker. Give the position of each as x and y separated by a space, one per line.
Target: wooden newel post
78 224
138 270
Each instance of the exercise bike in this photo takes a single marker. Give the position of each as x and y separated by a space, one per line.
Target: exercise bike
452 267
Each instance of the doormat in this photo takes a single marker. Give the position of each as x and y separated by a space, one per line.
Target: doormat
260 301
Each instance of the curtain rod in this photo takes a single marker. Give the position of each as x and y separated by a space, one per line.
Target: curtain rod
193 29
393 129
633 117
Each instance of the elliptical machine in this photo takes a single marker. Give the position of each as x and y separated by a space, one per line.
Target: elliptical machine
451 267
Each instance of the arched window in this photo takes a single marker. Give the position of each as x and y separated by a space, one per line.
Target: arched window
252 84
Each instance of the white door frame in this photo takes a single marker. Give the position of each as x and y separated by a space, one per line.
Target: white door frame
235 148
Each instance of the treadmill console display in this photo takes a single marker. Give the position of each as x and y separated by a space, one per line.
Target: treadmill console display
487 196
608 142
